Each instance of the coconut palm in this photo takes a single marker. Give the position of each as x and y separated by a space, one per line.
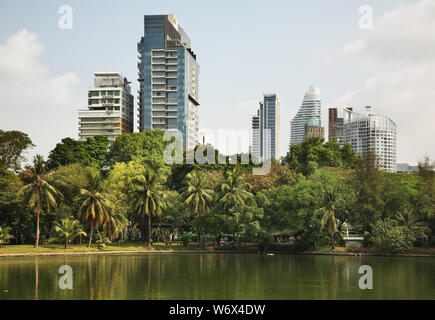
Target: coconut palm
147 197
37 192
95 207
329 222
234 189
197 196
116 225
69 229
4 235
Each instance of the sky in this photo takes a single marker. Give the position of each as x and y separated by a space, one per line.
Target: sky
244 48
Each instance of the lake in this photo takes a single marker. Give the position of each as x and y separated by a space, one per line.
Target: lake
216 276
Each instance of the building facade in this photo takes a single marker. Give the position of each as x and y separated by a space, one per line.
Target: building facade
311 106
255 138
265 129
405 167
372 132
335 125
169 80
110 107
313 129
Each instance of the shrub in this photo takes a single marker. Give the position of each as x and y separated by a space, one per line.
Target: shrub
388 239
352 247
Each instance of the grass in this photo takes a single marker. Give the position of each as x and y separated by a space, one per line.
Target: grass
59 248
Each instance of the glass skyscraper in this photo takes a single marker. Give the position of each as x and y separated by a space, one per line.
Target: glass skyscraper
267 118
168 76
311 107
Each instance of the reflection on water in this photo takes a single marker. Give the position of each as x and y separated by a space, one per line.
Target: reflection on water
217 276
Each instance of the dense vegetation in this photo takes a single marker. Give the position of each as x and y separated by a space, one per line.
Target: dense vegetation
128 193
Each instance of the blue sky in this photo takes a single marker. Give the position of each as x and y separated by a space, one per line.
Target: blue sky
244 48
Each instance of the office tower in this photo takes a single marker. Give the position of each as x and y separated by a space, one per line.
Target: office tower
313 129
255 140
372 131
110 107
311 106
168 77
335 125
265 129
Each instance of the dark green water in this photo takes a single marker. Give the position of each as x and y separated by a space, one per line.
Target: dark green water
217 276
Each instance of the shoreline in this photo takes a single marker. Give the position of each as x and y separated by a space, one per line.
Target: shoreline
132 252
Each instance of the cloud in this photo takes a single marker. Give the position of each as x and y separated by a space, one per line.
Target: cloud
399 52
33 100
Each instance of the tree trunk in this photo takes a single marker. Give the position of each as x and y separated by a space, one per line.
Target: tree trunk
332 238
66 243
37 229
90 236
149 230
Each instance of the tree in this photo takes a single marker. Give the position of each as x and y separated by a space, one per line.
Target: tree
98 149
407 218
67 152
329 222
234 190
147 147
69 230
38 193
368 183
388 238
5 235
95 207
197 195
12 145
147 197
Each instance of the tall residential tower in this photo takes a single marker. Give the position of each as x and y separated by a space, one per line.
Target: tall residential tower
374 132
168 76
110 107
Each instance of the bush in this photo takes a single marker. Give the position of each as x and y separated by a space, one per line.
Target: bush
388 239
352 247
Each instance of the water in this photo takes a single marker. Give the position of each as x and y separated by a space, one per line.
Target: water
217 276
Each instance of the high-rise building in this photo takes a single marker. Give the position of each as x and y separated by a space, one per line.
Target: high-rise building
110 107
265 129
374 132
311 106
255 140
335 125
168 77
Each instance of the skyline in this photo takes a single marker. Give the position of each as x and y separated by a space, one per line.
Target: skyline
59 68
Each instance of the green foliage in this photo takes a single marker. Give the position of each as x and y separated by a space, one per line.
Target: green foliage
388 239
12 146
4 234
102 241
352 247
69 229
38 194
313 153
92 152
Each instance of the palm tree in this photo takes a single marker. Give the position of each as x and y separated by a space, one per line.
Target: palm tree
407 218
37 192
95 207
235 190
328 219
197 196
69 229
116 225
147 197
4 235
